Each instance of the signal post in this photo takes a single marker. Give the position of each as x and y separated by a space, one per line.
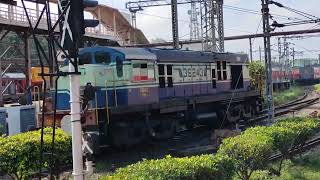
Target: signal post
73 29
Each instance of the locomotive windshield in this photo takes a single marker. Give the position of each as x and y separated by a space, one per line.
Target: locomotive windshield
85 58
100 57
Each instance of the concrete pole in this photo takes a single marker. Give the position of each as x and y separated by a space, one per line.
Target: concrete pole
99 18
77 155
27 51
260 55
250 44
37 10
293 56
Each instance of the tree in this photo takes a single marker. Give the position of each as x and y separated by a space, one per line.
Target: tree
257 75
158 40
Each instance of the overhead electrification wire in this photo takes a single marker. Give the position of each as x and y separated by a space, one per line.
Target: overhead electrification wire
180 20
257 12
294 10
311 18
257 30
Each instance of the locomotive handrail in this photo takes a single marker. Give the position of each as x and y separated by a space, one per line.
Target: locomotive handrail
96 102
114 90
107 102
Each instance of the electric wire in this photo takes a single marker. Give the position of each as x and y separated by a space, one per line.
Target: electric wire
257 12
312 18
257 30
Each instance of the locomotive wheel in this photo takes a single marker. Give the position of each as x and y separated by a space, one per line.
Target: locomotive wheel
124 134
248 111
235 113
164 129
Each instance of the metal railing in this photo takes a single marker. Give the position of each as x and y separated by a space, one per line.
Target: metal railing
15 15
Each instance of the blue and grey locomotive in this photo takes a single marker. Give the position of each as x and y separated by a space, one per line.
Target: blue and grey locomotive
133 93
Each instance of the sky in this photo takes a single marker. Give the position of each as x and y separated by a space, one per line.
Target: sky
155 22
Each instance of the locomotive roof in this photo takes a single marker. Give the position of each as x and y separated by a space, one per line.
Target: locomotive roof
136 53
170 55
130 53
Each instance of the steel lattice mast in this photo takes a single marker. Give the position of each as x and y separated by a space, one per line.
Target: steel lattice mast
212 30
267 51
194 22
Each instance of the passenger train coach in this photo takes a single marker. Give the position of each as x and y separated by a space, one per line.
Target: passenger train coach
135 93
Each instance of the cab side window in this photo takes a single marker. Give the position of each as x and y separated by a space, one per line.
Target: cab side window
119 66
85 58
162 80
222 70
102 57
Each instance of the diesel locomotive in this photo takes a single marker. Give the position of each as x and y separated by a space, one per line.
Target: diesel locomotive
130 94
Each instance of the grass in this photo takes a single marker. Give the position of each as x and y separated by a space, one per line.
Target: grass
306 167
317 88
288 95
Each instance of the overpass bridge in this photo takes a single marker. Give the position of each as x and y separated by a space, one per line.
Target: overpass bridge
114 29
113 25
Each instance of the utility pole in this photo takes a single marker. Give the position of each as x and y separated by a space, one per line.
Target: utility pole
260 55
250 44
291 67
280 53
175 30
293 56
286 54
267 54
134 21
72 41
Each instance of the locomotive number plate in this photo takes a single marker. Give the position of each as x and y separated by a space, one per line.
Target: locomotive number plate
144 91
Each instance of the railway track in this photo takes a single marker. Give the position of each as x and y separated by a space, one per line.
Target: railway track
297 150
287 104
285 109
292 106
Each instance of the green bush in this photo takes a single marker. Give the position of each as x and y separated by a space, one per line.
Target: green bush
317 88
294 131
249 151
192 168
291 133
243 154
20 154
